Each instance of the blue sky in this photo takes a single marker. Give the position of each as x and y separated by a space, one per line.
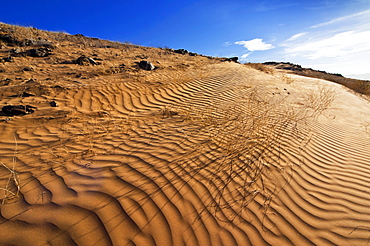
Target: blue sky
330 35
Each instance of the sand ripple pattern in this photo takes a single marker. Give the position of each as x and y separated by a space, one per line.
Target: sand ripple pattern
119 171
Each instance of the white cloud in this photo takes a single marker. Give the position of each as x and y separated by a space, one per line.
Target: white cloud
296 36
339 45
255 44
343 18
226 44
245 56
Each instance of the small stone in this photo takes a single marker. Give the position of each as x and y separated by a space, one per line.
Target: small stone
28 69
8 59
146 65
16 51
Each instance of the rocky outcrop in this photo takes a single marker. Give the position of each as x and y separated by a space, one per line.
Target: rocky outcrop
13 110
146 65
231 59
185 52
40 52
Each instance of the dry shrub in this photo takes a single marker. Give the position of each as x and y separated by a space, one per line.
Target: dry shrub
319 100
12 186
260 67
246 139
168 111
366 126
286 79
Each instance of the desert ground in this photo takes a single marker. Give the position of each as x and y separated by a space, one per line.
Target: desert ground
198 151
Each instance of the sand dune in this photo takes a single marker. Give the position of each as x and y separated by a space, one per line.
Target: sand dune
127 163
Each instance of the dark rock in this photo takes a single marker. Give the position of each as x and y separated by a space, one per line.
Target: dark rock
7 59
28 69
6 81
25 42
7 38
231 59
10 40
16 51
85 61
24 94
6 119
181 51
146 65
53 104
31 81
40 52
13 110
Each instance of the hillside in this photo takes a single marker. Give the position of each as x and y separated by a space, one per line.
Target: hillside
100 147
360 86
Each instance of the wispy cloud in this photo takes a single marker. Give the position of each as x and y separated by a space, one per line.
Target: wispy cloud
256 44
244 57
339 45
343 18
296 36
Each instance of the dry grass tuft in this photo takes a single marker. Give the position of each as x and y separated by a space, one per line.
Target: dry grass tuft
286 79
168 111
12 187
261 67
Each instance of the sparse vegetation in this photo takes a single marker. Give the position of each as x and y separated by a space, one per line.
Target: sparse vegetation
247 139
261 67
12 187
360 86
319 100
286 78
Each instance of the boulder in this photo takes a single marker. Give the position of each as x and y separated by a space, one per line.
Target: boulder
13 110
40 52
85 61
146 65
11 40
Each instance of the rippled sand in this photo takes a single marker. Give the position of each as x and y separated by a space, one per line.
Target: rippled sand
128 163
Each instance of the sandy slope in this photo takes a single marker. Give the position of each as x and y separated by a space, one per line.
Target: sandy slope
129 163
